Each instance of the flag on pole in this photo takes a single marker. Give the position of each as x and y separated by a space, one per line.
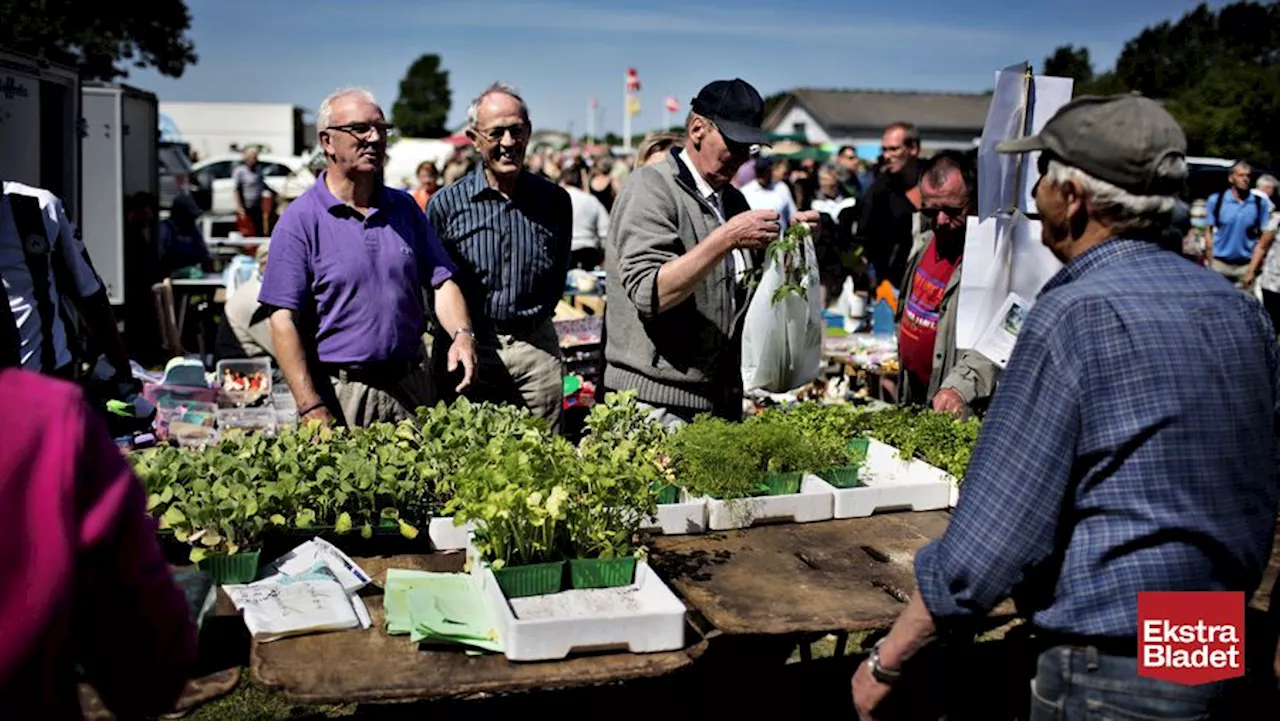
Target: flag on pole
672 104
633 80
592 102
633 105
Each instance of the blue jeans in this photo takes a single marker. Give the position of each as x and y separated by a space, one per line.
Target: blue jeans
1079 682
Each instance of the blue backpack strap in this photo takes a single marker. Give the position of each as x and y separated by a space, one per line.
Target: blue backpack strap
37 252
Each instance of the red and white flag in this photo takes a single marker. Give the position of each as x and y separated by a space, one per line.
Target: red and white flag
592 103
672 104
633 80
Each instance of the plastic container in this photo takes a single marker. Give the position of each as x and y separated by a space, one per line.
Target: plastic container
601 572
780 484
534 579
254 420
184 414
244 382
157 393
239 567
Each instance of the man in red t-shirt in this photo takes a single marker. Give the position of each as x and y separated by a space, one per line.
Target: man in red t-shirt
934 372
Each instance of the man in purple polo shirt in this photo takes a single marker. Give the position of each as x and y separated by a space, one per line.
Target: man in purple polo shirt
346 274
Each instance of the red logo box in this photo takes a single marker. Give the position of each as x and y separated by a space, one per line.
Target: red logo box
1191 637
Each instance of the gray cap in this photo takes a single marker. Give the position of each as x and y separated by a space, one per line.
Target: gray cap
1118 138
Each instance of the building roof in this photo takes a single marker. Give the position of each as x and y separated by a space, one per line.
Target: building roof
839 110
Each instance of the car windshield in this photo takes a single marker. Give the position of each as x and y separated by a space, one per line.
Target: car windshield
173 160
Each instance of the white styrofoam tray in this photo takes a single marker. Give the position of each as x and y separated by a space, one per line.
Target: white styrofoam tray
447 537
891 484
812 503
687 516
645 617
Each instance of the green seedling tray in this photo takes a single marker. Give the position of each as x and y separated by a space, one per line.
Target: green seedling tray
602 572
534 579
235 568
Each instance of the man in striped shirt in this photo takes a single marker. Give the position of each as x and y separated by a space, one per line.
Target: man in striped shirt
508 232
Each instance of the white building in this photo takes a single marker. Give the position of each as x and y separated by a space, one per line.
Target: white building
858 117
213 129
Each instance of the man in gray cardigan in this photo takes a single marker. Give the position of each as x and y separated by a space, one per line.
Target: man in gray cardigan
678 259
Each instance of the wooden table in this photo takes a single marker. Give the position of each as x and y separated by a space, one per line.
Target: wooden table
847 575
370 666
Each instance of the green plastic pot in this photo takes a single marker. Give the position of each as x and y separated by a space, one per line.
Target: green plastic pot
233 568
534 579
858 448
602 572
841 476
668 494
779 484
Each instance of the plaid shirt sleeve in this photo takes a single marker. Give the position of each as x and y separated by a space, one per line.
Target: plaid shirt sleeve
1007 518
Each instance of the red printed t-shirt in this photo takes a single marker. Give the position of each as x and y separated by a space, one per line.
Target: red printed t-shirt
919 327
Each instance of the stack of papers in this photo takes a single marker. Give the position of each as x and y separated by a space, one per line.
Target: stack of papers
308 590
446 608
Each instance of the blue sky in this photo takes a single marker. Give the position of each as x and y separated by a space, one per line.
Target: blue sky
558 52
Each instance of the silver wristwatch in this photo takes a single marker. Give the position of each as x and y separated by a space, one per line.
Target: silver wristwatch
460 331
878 672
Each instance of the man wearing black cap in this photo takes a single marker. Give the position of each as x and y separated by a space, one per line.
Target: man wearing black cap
681 245
1104 472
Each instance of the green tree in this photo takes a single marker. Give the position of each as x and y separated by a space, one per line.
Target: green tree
422 109
102 39
1218 73
1069 61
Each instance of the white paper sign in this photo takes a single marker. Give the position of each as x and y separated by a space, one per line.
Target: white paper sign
1002 255
1001 335
1016 103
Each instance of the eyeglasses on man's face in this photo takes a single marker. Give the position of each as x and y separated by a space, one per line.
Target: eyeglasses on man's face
364 131
496 134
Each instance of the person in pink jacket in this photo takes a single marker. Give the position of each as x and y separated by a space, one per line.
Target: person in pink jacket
82 578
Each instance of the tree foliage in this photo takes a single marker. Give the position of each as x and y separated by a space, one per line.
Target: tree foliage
422 110
102 39
1069 61
1218 73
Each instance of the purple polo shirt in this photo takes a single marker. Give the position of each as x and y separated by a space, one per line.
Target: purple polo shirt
356 282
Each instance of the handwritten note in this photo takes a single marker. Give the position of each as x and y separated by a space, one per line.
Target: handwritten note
291 605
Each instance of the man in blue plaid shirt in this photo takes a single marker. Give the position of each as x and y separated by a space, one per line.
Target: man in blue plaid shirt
1130 447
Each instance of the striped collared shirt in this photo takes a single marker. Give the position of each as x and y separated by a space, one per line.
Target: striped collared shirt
512 253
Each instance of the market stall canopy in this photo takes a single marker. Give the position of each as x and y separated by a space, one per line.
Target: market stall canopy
785 148
817 154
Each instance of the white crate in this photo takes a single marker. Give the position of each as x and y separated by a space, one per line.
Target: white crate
688 516
447 537
645 617
891 484
812 503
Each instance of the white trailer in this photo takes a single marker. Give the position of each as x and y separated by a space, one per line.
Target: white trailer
120 148
39 126
214 129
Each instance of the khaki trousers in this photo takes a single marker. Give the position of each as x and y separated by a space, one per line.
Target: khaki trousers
525 370
395 399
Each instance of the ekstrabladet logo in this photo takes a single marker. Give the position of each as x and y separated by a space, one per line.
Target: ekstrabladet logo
1191 637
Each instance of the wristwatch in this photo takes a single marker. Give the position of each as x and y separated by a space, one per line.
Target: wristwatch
879 672
462 330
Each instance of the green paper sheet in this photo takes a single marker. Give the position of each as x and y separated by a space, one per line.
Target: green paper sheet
438 607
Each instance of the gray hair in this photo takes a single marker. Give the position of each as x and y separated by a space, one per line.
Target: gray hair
473 109
1240 164
324 116
1266 180
1124 212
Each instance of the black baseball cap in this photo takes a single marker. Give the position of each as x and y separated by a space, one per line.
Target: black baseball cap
1117 138
736 108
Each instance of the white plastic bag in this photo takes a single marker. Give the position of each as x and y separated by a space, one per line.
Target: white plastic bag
782 342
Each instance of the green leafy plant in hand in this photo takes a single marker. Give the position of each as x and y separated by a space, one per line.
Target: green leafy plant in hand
789 252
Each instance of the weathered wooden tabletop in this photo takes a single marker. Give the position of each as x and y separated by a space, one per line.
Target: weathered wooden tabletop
370 666
847 575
